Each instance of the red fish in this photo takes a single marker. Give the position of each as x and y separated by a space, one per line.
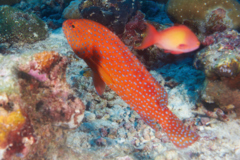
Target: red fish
175 40
113 64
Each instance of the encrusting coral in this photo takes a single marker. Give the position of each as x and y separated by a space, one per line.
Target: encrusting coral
9 122
44 60
15 129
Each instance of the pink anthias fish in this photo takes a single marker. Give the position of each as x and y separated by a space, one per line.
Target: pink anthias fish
113 64
175 40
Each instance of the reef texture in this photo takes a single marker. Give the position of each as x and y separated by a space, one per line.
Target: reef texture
220 61
48 10
113 14
42 103
205 16
18 26
71 11
16 131
133 30
155 11
9 2
46 76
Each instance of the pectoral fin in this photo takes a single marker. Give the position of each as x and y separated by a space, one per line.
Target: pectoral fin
100 76
150 37
99 84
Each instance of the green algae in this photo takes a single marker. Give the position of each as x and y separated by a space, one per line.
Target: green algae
18 26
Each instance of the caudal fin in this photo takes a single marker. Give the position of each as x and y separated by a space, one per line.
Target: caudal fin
150 37
179 134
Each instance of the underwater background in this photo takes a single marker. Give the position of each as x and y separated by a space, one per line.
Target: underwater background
49 107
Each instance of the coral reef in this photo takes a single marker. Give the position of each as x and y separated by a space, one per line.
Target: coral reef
9 2
48 10
162 1
18 26
16 131
220 61
109 13
133 30
43 8
205 16
40 108
8 123
155 11
220 58
71 11
46 75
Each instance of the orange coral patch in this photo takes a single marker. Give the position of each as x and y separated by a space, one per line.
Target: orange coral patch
9 122
45 60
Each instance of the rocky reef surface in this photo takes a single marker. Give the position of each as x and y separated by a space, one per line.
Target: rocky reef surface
18 26
205 16
36 104
220 61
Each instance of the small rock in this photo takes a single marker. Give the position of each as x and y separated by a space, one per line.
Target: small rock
89 116
171 154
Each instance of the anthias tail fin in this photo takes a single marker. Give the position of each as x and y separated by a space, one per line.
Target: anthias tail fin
150 37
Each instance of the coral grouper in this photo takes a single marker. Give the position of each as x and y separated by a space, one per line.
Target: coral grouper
113 64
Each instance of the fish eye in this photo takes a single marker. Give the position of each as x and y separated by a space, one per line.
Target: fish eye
73 26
